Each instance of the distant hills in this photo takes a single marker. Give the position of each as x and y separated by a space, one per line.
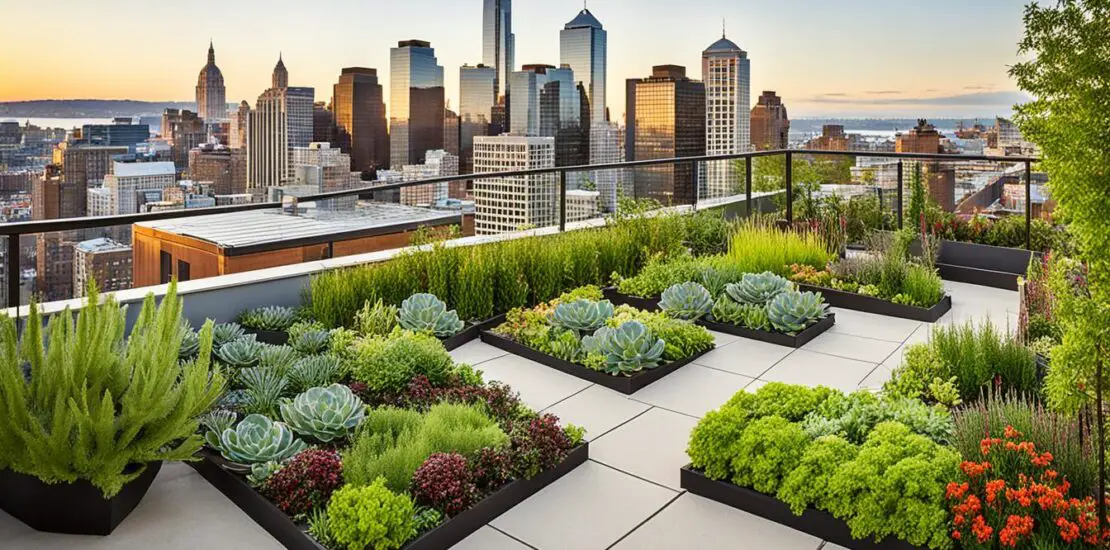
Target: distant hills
88 108
813 125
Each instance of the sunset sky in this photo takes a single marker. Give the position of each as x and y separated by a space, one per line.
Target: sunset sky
825 58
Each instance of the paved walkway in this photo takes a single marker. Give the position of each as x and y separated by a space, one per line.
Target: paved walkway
627 496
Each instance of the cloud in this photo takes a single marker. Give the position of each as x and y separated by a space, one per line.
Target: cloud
834 94
959 100
884 92
981 88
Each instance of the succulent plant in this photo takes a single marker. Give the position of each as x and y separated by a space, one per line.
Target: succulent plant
426 313
313 371
262 471
214 423
725 310
242 353
755 317
257 439
311 342
758 289
713 280
324 414
234 400
792 311
566 346
225 333
687 301
190 345
281 358
264 387
629 348
582 315
274 318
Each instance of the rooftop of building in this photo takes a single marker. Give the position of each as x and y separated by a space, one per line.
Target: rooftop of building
102 244
584 19
724 45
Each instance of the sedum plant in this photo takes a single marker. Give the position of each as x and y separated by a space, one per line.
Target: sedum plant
240 354
725 310
274 318
758 289
793 311
687 301
95 402
377 319
628 348
324 414
256 440
426 313
370 516
582 315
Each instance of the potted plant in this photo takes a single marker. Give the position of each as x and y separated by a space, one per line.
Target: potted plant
90 414
270 324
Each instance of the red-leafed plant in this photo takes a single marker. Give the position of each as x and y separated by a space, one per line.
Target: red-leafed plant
444 482
491 468
538 445
306 482
1014 498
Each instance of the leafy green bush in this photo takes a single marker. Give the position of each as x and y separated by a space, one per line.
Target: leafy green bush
659 274
713 440
854 416
370 516
809 482
387 364
768 450
377 319
923 286
983 356
707 232
96 404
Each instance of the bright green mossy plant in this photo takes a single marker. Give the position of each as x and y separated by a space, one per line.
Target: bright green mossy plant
370 516
388 363
95 403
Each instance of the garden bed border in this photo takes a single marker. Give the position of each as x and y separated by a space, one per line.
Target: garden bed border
878 306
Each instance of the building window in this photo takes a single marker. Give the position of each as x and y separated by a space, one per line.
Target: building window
182 270
165 268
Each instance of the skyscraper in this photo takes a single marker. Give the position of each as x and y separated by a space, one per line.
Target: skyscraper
185 130
237 131
770 123
280 120
726 73
582 46
211 95
360 116
280 77
548 102
416 102
510 203
665 119
498 43
477 99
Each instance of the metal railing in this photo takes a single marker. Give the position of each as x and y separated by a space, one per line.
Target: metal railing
13 231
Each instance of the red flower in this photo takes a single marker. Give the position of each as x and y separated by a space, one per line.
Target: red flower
1068 530
955 490
1011 433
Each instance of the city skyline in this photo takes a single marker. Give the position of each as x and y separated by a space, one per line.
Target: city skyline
954 65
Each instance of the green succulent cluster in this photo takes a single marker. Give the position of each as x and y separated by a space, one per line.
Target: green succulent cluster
241 353
314 371
256 439
225 333
628 348
758 289
582 315
791 312
324 414
426 313
275 318
688 301
312 342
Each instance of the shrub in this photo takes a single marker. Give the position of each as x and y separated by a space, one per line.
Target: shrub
94 403
713 440
923 286
306 482
809 482
768 450
707 232
491 468
538 445
444 482
370 516
387 364
983 356
659 274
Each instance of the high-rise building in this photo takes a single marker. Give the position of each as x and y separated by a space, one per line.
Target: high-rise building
185 130
548 103
103 260
770 123
122 132
665 119
582 46
52 197
477 100
504 204
119 193
280 77
324 129
726 74
437 164
320 168
54 265
211 95
237 129
499 44
416 102
281 120
222 168
359 109
605 148
451 132
82 166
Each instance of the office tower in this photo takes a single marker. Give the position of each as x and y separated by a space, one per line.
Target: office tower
665 119
605 148
52 197
548 103
81 167
503 204
499 44
438 163
477 100
324 129
54 265
582 46
416 102
281 120
726 74
359 109
221 167
451 132
184 130
103 260
280 77
120 133
237 130
320 168
581 205
211 95
770 123
119 193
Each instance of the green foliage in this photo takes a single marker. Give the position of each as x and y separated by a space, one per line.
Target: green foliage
263 388
226 332
728 311
426 313
790 401
628 348
713 440
377 319
687 301
809 482
854 416
324 414
983 356
581 315
280 358
255 440
591 293
768 450
386 364
393 443
917 197
758 289
93 402
241 353
757 247
922 286
707 232
274 318
1084 317
791 312
658 275
311 342
683 339
370 516
314 371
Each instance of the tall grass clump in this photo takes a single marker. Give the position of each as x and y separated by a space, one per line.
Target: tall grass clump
758 246
983 356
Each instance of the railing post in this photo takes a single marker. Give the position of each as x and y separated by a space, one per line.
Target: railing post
748 182
900 194
697 182
13 271
789 187
562 200
1028 206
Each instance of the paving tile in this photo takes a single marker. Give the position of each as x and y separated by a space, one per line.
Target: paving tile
598 409
879 327
488 538
181 510
475 352
695 522
651 446
747 357
588 509
818 369
693 390
539 386
723 339
876 379
852 347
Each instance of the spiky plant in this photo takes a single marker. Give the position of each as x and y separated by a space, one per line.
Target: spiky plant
273 318
314 371
225 333
377 319
97 403
280 358
312 342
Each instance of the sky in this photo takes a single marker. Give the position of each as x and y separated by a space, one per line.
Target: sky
882 58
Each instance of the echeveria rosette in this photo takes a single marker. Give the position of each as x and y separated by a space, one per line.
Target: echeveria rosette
257 439
427 313
324 414
688 301
582 315
758 289
629 348
792 312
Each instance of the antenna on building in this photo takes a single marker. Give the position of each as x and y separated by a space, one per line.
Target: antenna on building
722 27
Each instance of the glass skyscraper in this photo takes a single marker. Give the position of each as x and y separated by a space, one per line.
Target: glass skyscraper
666 119
549 102
416 102
726 73
477 99
498 42
360 116
582 46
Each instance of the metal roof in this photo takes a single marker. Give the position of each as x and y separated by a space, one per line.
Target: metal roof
582 20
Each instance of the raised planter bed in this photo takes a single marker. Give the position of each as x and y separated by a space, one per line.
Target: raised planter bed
981 264
467 334
646 304
814 522
76 508
624 384
871 304
275 337
294 536
789 340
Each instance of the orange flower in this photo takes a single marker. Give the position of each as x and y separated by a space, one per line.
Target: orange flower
1011 433
955 490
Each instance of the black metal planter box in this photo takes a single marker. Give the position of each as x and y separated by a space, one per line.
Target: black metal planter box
871 304
627 385
275 337
465 335
294 537
781 338
981 264
814 522
72 508
646 304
